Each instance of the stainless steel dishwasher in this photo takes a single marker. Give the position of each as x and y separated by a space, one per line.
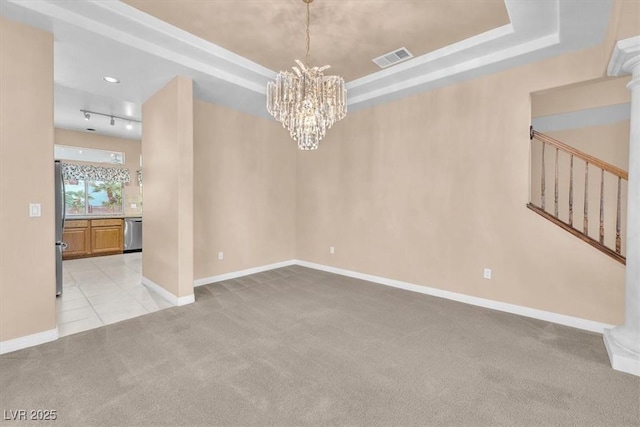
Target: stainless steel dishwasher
133 234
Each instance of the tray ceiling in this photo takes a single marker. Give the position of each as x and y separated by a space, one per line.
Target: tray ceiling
346 34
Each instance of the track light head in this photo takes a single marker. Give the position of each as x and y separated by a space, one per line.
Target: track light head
127 121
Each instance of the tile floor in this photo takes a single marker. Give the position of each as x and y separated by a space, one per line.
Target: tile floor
103 290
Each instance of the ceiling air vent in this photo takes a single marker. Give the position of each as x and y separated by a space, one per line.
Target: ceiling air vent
392 58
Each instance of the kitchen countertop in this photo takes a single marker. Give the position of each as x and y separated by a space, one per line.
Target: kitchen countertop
71 218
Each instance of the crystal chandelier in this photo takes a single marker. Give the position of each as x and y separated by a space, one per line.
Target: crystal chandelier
306 101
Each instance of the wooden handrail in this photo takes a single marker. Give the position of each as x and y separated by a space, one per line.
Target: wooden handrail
582 155
615 255
589 162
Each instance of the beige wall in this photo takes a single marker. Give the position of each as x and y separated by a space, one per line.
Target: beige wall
27 245
431 189
167 150
599 93
244 184
606 142
131 149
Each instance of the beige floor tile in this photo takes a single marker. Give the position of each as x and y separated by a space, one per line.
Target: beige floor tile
72 293
120 270
103 290
91 277
127 304
118 316
127 278
149 299
136 264
109 297
129 284
93 289
139 291
62 305
109 261
76 314
155 304
77 266
67 278
79 326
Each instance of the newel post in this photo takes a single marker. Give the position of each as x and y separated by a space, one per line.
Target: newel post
623 342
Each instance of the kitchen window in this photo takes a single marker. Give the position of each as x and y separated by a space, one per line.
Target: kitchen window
83 197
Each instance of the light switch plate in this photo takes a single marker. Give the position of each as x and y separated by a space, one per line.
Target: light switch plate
134 206
35 210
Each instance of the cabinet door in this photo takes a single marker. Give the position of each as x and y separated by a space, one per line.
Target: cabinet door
78 242
106 240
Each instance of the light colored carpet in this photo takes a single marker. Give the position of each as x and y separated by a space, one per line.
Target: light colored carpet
296 346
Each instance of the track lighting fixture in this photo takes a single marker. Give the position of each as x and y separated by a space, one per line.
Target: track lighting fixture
112 118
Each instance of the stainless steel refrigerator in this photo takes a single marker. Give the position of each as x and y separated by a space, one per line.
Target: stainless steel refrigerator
60 214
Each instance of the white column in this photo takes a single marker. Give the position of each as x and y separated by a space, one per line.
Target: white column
623 342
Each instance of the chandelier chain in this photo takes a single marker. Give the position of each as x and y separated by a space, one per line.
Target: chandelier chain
308 35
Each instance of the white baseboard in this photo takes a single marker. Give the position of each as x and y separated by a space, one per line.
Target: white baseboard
621 359
575 322
186 300
173 299
28 341
240 273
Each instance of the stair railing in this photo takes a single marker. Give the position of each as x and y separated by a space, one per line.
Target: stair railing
604 167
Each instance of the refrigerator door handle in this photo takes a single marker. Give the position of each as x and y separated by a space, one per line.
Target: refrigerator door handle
63 196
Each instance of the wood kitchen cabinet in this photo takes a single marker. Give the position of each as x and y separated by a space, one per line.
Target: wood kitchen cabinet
106 236
92 237
77 236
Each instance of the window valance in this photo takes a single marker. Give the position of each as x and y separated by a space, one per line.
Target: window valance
95 173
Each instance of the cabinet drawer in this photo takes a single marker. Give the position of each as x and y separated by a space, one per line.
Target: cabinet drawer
76 223
106 222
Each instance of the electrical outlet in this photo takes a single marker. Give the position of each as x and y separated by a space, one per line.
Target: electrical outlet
487 273
332 250
220 255
134 206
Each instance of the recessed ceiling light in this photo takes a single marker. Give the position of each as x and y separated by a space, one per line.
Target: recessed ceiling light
110 79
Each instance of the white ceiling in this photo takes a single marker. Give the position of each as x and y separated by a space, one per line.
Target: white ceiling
96 38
